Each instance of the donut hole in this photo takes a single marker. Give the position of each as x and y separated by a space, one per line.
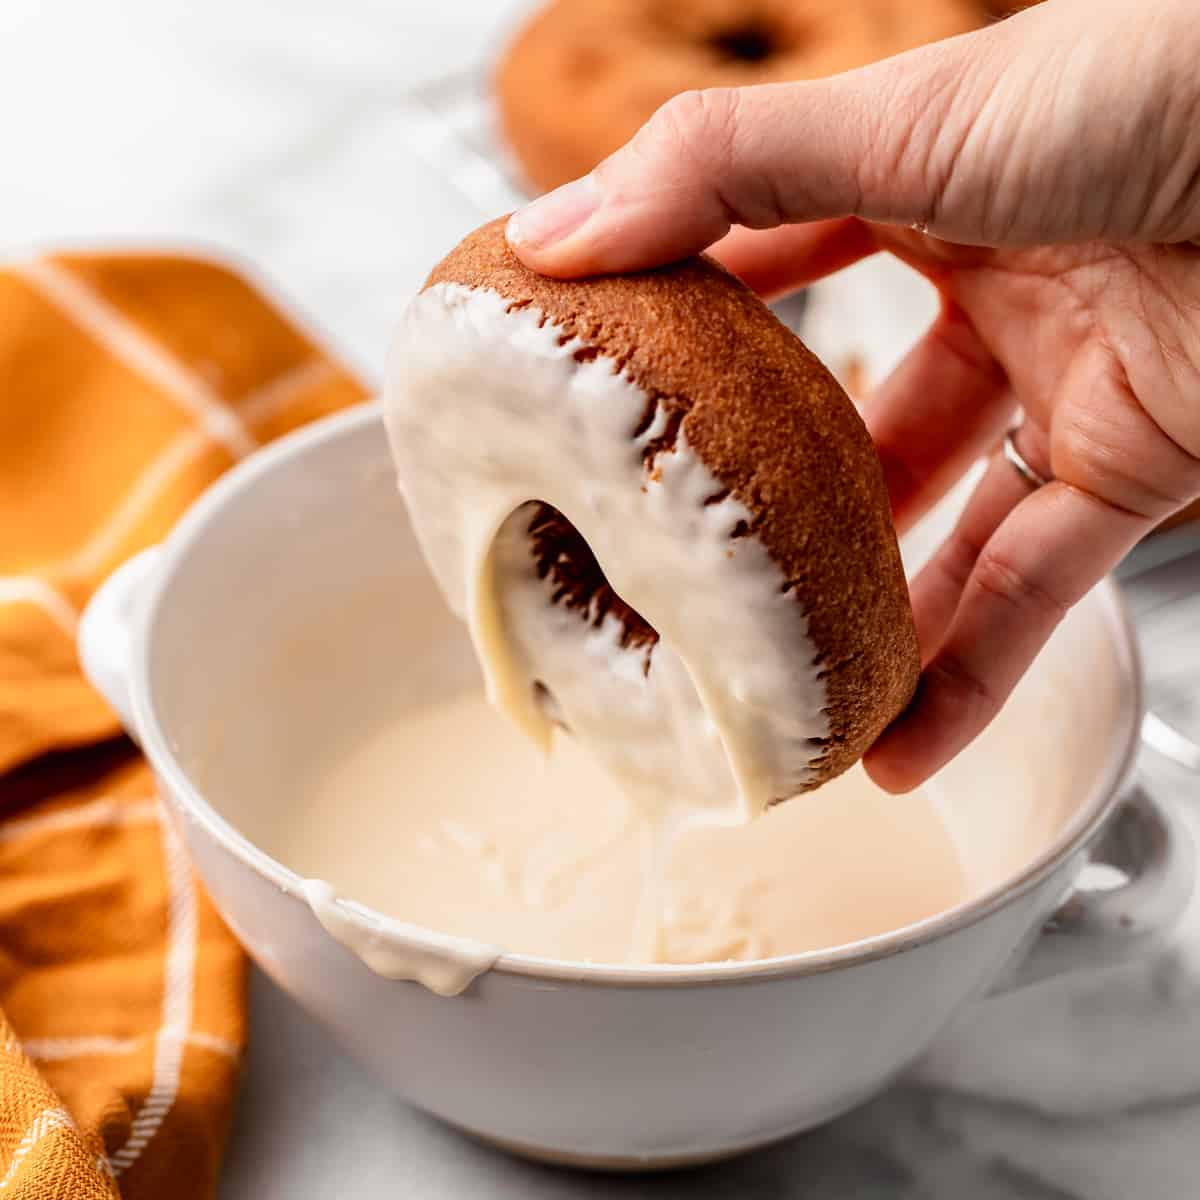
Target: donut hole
728 33
565 563
563 558
744 44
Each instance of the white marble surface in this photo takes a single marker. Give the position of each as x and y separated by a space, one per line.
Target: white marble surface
276 131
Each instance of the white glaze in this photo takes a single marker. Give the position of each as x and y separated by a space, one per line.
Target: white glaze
442 816
445 965
488 409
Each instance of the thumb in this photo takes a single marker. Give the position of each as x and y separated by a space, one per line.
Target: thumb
879 143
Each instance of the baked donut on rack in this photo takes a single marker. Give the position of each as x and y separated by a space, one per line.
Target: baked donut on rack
661 518
582 76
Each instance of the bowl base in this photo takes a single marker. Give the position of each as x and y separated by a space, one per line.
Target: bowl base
621 1163
647 1162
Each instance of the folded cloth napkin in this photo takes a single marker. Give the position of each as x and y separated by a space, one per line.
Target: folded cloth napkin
128 383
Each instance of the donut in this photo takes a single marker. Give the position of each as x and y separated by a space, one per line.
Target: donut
582 76
661 518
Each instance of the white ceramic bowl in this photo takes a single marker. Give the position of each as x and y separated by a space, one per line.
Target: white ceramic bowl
295 586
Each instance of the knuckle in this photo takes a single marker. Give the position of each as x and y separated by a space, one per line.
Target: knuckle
956 558
696 123
908 146
964 685
998 576
701 134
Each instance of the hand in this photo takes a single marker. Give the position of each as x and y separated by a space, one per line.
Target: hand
1037 172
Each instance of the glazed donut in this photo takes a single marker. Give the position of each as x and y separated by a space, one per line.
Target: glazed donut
582 76
661 517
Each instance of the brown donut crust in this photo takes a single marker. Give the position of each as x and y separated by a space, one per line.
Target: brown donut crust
775 429
582 76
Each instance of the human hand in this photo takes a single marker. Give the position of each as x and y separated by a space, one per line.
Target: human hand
1043 173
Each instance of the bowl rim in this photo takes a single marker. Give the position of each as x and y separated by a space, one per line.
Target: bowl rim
1086 821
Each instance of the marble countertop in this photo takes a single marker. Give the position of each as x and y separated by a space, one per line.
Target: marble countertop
279 133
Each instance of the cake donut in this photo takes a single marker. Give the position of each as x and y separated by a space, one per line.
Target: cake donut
661 518
582 76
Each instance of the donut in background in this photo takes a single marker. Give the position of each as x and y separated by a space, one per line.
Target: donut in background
582 76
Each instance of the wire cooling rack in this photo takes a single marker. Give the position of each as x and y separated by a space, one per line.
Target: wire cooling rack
450 123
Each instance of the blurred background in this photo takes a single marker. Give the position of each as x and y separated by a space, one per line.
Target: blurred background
330 146
335 149
275 131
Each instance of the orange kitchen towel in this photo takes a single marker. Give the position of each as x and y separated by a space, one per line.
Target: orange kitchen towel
128 383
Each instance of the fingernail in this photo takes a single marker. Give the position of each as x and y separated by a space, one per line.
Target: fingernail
556 215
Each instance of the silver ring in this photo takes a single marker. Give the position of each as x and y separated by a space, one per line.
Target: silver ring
1022 468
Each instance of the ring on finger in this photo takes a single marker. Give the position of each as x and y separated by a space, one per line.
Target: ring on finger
1017 460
